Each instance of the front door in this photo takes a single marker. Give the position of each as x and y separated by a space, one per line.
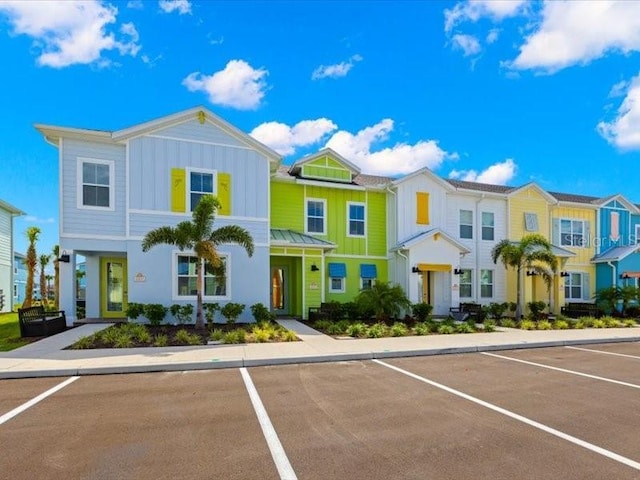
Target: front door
279 294
113 287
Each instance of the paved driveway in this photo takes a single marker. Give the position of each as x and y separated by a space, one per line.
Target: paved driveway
555 413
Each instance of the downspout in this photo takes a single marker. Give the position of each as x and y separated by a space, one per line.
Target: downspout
477 252
613 274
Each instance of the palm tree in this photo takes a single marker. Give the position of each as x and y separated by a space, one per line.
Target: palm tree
31 262
384 300
56 276
198 235
534 253
44 261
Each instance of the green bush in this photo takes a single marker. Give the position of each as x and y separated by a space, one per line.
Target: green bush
599 323
231 311
357 329
536 309
141 334
508 323
497 310
421 311
123 340
83 342
445 329
210 310
545 325
384 300
261 313
351 311
289 336
422 328
611 322
629 323
109 336
134 310
561 325
399 329
338 328
187 338
322 324
260 335
216 335
235 336
182 313
377 330
464 328
155 313
528 325
585 322
489 326
161 340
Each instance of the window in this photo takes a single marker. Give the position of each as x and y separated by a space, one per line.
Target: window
572 233
573 286
337 274
356 219
316 216
486 283
368 275
466 224
215 278
488 226
466 284
95 184
15 291
200 184
637 239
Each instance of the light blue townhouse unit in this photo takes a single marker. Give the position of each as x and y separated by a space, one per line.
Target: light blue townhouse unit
116 186
19 278
617 256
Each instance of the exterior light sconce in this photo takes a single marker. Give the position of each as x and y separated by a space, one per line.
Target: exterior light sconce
457 271
314 268
531 273
624 275
564 274
64 257
415 270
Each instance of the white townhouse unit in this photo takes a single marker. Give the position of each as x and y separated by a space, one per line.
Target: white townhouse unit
115 186
7 213
441 234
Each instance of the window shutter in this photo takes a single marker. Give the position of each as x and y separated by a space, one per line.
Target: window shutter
587 234
178 190
586 287
555 231
224 193
422 207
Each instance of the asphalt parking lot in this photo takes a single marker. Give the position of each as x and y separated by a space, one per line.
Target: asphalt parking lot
552 413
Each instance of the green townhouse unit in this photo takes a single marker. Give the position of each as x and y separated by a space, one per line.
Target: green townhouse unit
328 232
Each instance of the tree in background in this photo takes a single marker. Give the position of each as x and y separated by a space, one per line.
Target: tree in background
56 276
44 291
31 262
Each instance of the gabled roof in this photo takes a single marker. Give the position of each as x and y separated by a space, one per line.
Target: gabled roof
10 208
422 236
297 165
53 133
550 198
425 171
620 198
573 198
479 187
360 180
615 254
291 238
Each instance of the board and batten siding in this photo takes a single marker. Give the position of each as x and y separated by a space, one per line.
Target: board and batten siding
194 131
6 258
583 254
529 200
92 221
151 160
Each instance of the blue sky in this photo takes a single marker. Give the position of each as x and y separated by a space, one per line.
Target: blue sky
496 91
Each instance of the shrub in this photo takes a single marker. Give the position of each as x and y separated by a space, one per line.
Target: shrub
216 335
384 300
322 324
445 329
83 342
134 310
289 336
497 310
489 326
161 340
351 311
109 336
528 325
561 325
210 310
235 336
545 325
261 313
399 329
599 323
610 322
508 323
465 328
123 340
338 328
182 313
187 338
260 335
423 328
358 329
232 311
536 309
421 311
632 311
377 330
155 313
586 321
141 334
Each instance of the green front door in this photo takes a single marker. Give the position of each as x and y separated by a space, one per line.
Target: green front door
113 287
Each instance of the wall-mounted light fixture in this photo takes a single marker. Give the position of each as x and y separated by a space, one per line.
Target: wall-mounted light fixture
314 268
531 273
415 270
564 274
457 271
64 257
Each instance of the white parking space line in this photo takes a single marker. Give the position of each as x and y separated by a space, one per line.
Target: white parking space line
564 436
603 352
277 451
17 411
563 370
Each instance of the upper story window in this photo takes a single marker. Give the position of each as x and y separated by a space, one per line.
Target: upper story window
316 216
488 226
201 182
95 184
466 284
572 233
466 224
356 219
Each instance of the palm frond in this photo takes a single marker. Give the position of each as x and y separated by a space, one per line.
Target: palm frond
159 236
204 215
545 257
207 250
233 234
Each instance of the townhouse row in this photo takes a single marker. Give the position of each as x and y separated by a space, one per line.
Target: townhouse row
322 229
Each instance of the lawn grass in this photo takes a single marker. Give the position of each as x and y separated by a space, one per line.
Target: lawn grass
10 332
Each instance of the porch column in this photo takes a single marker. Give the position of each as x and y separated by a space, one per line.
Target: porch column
68 286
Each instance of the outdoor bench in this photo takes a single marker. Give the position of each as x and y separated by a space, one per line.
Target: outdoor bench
580 309
465 311
326 311
36 322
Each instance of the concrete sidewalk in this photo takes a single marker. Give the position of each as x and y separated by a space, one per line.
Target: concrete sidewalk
46 358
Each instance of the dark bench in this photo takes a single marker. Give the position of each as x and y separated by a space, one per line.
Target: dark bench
35 322
326 311
465 311
581 309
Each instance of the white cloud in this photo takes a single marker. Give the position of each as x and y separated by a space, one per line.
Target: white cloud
239 85
337 70
135 4
497 174
467 43
578 32
624 130
402 158
34 219
68 33
284 139
473 10
493 35
183 7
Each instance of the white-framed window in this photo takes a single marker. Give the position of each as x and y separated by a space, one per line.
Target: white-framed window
336 285
572 233
95 184
466 224
316 216
216 280
637 234
337 274
367 283
368 275
573 287
200 183
466 284
486 283
356 215
488 226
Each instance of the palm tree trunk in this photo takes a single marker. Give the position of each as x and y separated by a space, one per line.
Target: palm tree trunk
199 288
43 288
519 294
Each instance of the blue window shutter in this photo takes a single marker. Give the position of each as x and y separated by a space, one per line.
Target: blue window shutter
368 271
337 270
555 231
586 287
